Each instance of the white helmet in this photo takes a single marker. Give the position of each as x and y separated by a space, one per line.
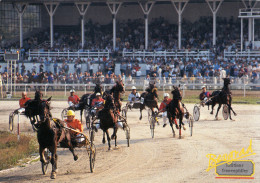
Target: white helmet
166 95
72 90
133 88
98 94
203 87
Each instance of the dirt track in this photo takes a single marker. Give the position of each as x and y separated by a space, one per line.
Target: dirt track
162 159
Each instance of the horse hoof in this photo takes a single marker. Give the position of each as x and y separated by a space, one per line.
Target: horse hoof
211 112
109 148
116 147
184 128
53 175
76 158
179 137
177 127
235 114
103 141
140 118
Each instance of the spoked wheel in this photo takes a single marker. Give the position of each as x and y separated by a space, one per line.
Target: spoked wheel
196 113
124 112
64 113
127 134
92 157
149 113
225 112
87 118
190 121
152 125
47 156
11 122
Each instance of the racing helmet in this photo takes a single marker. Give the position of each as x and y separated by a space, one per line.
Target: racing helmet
166 95
133 88
70 113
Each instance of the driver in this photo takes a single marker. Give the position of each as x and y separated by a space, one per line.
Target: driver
133 97
73 99
76 124
22 101
165 102
204 95
98 100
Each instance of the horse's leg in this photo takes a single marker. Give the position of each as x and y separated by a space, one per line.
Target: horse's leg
114 134
81 115
108 140
219 106
173 132
54 158
104 139
141 109
212 107
42 157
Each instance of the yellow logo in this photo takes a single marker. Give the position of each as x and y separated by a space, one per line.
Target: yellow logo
215 160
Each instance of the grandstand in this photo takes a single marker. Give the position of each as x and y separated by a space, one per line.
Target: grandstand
164 38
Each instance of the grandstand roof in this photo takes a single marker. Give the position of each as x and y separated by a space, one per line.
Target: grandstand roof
103 1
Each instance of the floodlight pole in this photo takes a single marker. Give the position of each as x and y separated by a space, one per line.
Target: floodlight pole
114 7
179 10
214 9
82 8
146 8
51 9
20 8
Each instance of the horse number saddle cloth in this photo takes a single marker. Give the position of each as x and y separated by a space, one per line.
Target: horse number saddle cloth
142 100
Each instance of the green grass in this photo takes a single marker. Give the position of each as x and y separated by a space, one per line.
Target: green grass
13 151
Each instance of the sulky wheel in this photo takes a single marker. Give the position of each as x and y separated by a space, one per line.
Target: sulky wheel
87 118
64 113
11 122
196 113
152 125
191 124
47 156
225 112
124 112
127 133
92 157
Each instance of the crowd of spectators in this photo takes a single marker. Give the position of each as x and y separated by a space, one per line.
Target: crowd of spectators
130 35
169 69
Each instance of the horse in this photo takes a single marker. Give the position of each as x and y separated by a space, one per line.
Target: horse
48 136
33 108
116 91
86 99
175 109
108 119
222 97
149 99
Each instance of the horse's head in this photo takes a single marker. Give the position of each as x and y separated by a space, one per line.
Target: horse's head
38 95
45 109
109 101
98 88
176 93
154 92
151 85
226 81
120 86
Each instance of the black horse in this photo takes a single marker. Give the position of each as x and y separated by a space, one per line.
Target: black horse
222 97
116 91
149 99
175 110
108 119
48 136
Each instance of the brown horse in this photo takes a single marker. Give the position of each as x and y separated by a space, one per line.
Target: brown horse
108 119
175 110
116 93
48 136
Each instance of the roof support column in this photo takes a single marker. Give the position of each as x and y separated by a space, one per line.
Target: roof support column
82 8
20 8
181 6
241 36
114 7
214 9
146 8
51 9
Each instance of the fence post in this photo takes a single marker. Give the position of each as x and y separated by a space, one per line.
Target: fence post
45 90
85 89
25 87
244 90
104 87
65 90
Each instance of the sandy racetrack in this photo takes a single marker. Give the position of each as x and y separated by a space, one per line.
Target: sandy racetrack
162 159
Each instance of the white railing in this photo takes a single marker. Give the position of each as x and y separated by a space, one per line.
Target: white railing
166 53
249 12
237 54
68 54
165 87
